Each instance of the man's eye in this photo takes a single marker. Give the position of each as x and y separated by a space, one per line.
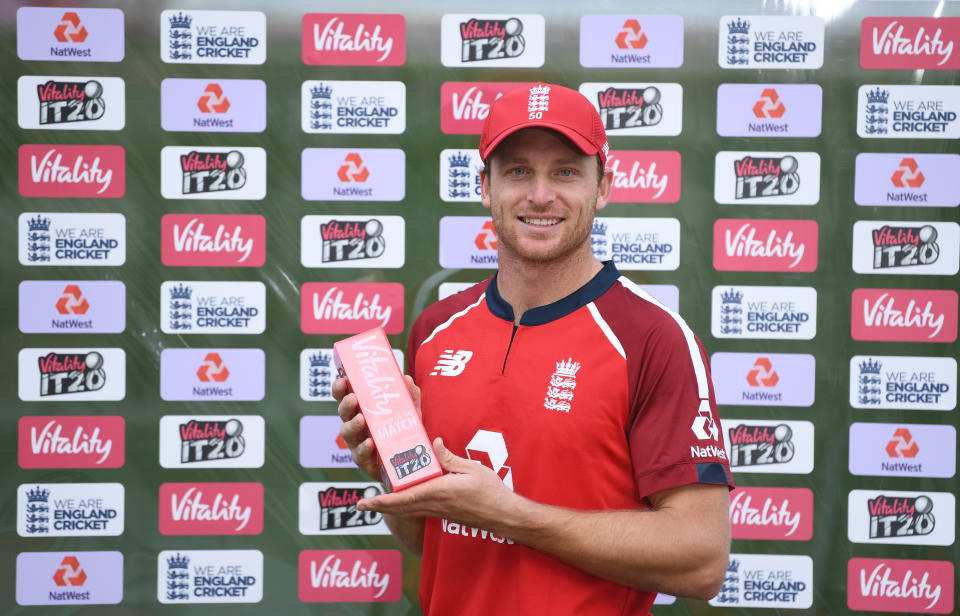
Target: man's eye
517 171
567 172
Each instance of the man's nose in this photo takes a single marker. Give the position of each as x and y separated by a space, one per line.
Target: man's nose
541 190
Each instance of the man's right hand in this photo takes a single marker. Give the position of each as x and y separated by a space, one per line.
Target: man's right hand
354 430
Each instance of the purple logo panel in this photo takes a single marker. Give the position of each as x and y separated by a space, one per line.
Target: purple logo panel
918 180
903 450
212 374
631 41
340 174
765 379
214 105
70 34
468 242
321 445
771 110
75 307
69 578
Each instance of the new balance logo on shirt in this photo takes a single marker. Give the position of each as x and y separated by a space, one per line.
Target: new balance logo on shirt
451 363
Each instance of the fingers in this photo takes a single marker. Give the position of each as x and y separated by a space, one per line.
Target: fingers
414 390
450 461
348 407
340 388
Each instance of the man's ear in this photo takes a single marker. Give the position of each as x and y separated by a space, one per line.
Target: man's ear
485 187
604 189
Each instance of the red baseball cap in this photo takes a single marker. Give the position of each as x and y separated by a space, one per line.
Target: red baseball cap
549 106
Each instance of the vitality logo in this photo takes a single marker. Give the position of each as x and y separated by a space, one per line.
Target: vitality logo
70 101
85 171
67 373
909 43
752 445
209 172
491 39
904 246
766 177
205 441
900 516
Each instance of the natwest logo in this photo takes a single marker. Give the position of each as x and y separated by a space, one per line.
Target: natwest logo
899 585
644 176
769 105
72 171
213 240
771 513
70 442
909 42
904 315
348 39
464 105
631 37
213 100
908 174
351 307
765 245
211 508
70 30
335 576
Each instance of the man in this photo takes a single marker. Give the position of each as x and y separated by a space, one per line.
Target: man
602 477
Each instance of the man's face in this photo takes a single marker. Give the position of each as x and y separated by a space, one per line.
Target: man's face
542 193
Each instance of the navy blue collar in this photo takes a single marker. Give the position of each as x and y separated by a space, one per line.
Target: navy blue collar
596 287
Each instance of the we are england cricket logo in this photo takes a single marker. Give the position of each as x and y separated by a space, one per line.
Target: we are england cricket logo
70 509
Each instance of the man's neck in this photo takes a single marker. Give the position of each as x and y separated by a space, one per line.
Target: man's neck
525 286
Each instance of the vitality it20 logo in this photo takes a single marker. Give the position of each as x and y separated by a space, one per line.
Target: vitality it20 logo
331 509
492 40
637 108
767 178
352 241
213 173
767 446
914 518
209 441
71 103
71 374
901 247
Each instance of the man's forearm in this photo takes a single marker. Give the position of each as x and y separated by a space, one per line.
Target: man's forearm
666 549
408 531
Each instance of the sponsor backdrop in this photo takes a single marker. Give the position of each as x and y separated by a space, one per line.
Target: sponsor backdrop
203 198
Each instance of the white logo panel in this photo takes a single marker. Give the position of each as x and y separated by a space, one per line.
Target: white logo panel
908 383
767 580
331 509
907 518
70 509
53 238
761 41
70 375
212 307
783 313
768 446
209 172
767 178
460 175
906 247
213 37
211 441
352 241
362 107
637 243
317 373
637 108
71 103
509 39
908 112
210 576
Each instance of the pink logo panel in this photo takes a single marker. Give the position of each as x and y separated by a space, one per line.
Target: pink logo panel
644 176
335 576
765 245
87 171
899 585
464 105
213 240
771 513
70 442
211 509
354 39
904 315
351 307
910 42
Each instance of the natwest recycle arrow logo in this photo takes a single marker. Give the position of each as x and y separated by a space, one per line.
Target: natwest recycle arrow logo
631 37
763 374
487 238
769 105
213 100
902 445
213 369
69 573
72 301
70 29
908 174
704 427
352 169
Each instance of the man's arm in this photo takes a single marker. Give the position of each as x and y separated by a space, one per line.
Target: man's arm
408 530
680 546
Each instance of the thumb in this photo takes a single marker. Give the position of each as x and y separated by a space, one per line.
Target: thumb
450 461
